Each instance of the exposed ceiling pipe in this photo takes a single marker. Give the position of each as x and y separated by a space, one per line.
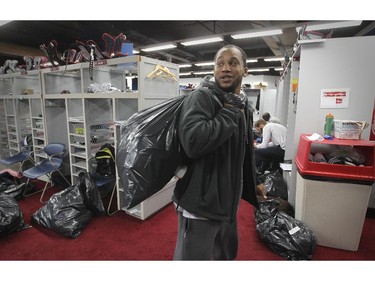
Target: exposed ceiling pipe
366 30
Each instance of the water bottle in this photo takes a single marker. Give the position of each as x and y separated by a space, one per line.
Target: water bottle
328 125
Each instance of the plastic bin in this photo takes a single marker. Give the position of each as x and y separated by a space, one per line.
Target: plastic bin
332 199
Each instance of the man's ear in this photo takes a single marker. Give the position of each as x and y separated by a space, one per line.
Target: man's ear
245 72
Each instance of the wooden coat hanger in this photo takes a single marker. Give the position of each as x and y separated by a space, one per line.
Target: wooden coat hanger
162 71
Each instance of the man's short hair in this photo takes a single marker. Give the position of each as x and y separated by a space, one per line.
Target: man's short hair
260 122
266 116
231 46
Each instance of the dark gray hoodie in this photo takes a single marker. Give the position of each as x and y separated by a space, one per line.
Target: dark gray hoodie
219 145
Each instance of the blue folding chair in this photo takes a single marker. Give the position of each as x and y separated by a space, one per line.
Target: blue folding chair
25 155
106 185
53 163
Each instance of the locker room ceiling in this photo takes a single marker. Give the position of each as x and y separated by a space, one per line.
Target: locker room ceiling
20 38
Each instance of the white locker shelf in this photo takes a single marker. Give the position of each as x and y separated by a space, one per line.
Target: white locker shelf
81 120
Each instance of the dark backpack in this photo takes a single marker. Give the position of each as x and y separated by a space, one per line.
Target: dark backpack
105 159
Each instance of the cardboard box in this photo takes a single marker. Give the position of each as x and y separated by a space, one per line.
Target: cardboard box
348 129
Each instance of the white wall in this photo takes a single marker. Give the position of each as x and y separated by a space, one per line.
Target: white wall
267 102
292 74
335 63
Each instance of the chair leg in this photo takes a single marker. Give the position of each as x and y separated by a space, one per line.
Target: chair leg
43 191
25 194
66 180
114 191
52 184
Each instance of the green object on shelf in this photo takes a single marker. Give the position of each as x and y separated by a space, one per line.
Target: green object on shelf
328 126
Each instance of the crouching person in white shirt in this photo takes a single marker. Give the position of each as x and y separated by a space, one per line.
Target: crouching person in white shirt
271 151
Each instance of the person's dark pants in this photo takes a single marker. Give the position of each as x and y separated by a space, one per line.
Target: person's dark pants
264 157
205 239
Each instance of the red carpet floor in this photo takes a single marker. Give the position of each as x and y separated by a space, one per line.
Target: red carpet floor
124 238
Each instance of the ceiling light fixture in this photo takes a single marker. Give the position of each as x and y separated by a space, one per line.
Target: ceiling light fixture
274 59
204 63
203 72
135 52
330 25
185 73
203 41
158 48
259 33
258 69
184 65
251 60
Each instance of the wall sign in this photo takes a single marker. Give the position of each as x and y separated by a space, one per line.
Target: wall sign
334 98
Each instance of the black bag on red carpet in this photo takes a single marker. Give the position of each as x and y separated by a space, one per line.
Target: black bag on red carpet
11 217
286 236
65 213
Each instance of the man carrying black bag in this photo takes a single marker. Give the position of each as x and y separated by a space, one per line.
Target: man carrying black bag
213 128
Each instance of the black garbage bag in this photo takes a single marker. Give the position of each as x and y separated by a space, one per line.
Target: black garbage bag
149 151
275 185
6 180
11 185
65 213
11 217
91 194
286 236
283 205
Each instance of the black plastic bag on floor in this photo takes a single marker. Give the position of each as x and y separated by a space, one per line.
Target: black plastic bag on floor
91 194
286 236
149 151
11 217
6 180
11 185
283 205
65 213
275 185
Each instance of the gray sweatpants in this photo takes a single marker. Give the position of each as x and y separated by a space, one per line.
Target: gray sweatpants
205 239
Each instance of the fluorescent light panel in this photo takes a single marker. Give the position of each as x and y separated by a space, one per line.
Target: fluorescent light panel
261 33
185 73
203 72
333 25
158 48
258 69
274 59
251 60
202 41
184 65
204 63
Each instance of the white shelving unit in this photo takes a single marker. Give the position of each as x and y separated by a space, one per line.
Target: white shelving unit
61 104
5 91
18 122
4 151
84 119
20 94
37 126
